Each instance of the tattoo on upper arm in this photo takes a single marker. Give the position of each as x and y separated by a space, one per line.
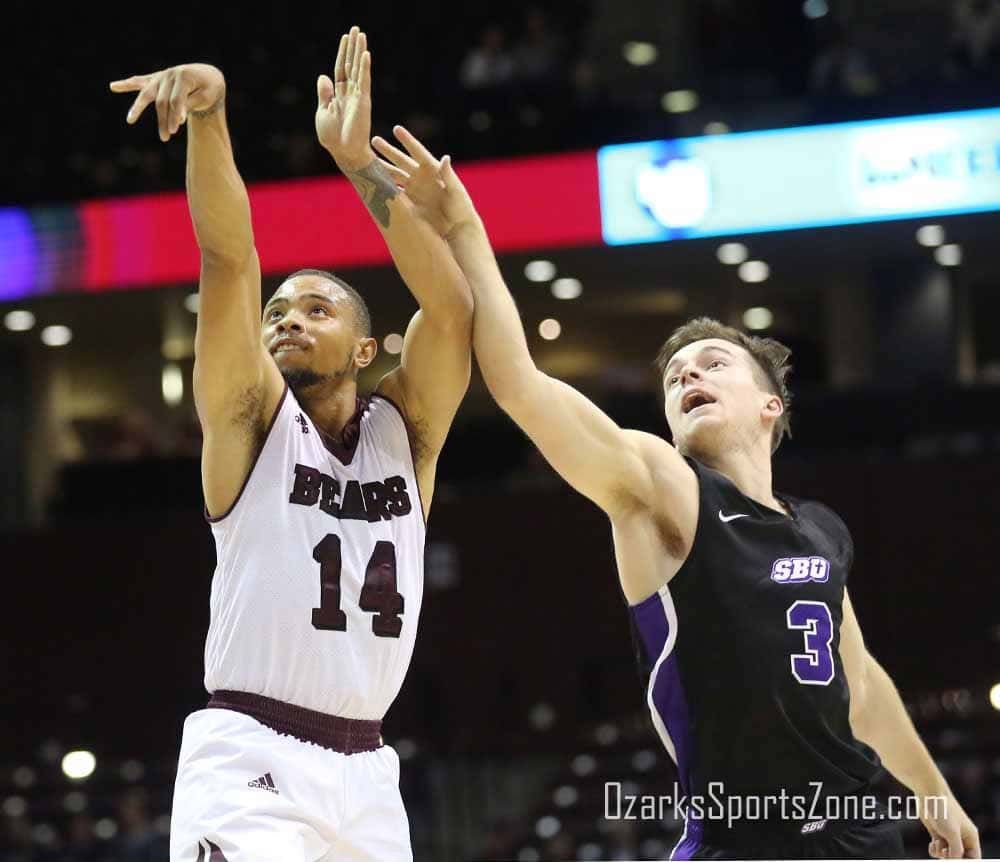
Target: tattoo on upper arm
376 188
208 111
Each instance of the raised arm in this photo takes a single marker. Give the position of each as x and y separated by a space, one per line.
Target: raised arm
434 371
617 469
236 384
879 718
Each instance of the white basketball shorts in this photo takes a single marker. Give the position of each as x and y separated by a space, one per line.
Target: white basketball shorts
245 793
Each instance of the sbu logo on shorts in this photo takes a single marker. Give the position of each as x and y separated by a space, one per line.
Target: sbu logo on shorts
798 570
814 826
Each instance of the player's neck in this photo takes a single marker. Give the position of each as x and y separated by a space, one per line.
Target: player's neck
331 406
750 471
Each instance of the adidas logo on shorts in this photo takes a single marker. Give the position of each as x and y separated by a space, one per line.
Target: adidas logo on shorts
265 782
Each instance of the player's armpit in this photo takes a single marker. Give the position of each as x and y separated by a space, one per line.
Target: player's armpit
433 375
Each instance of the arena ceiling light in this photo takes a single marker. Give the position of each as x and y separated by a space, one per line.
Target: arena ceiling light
24 776
75 802
758 318
732 253
393 343
172 384
995 696
79 764
19 320
931 235
105 829
640 53
177 347
57 336
754 271
549 329
565 796
15 806
540 270
717 127
191 302
948 255
547 827
679 101
566 288
814 9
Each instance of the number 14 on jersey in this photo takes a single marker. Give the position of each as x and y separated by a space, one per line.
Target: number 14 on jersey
379 595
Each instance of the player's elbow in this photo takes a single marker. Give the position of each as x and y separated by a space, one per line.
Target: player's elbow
451 315
516 390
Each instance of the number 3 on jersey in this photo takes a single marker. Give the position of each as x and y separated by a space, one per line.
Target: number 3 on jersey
815 665
378 596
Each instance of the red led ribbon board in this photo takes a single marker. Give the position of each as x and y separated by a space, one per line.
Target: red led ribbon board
541 202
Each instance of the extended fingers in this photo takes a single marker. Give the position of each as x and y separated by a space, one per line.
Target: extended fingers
163 106
130 85
394 155
414 147
352 41
177 107
366 74
146 95
340 66
360 48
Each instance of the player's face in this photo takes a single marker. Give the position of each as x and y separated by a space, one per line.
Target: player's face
713 400
309 326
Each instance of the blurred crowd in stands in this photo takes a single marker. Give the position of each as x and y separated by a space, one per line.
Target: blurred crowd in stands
554 807
482 83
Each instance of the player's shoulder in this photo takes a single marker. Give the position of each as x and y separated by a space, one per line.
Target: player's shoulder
819 511
671 478
828 519
385 410
654 448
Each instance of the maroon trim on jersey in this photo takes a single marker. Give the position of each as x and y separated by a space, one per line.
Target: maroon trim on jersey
345 448
215 853
256 458
345 735
409 443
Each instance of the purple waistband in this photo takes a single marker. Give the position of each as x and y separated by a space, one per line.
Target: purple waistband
345 735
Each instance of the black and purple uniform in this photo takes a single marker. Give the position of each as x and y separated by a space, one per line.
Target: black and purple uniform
746 687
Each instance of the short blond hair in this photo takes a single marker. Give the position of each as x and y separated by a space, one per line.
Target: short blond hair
770 361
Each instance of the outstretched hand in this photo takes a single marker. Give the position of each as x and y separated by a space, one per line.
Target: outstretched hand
953 834
431 184
344 112
177 91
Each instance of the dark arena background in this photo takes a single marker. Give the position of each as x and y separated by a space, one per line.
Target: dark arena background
871 250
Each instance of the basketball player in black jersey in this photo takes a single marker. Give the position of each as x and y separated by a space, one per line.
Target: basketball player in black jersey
760 684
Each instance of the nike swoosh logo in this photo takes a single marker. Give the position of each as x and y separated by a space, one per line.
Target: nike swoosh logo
727 518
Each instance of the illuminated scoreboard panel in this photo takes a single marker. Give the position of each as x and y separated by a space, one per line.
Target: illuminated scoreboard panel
786 179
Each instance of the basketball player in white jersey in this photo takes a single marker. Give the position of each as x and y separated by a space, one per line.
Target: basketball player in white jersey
317 499
724 401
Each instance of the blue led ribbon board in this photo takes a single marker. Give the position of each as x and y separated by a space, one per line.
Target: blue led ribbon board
812 176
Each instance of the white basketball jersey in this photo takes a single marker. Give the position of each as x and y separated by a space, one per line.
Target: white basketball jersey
320 571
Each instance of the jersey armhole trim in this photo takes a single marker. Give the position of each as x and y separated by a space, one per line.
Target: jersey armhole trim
409 444
253 464
680 577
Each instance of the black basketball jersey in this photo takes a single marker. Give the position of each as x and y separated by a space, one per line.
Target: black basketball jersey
746 687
